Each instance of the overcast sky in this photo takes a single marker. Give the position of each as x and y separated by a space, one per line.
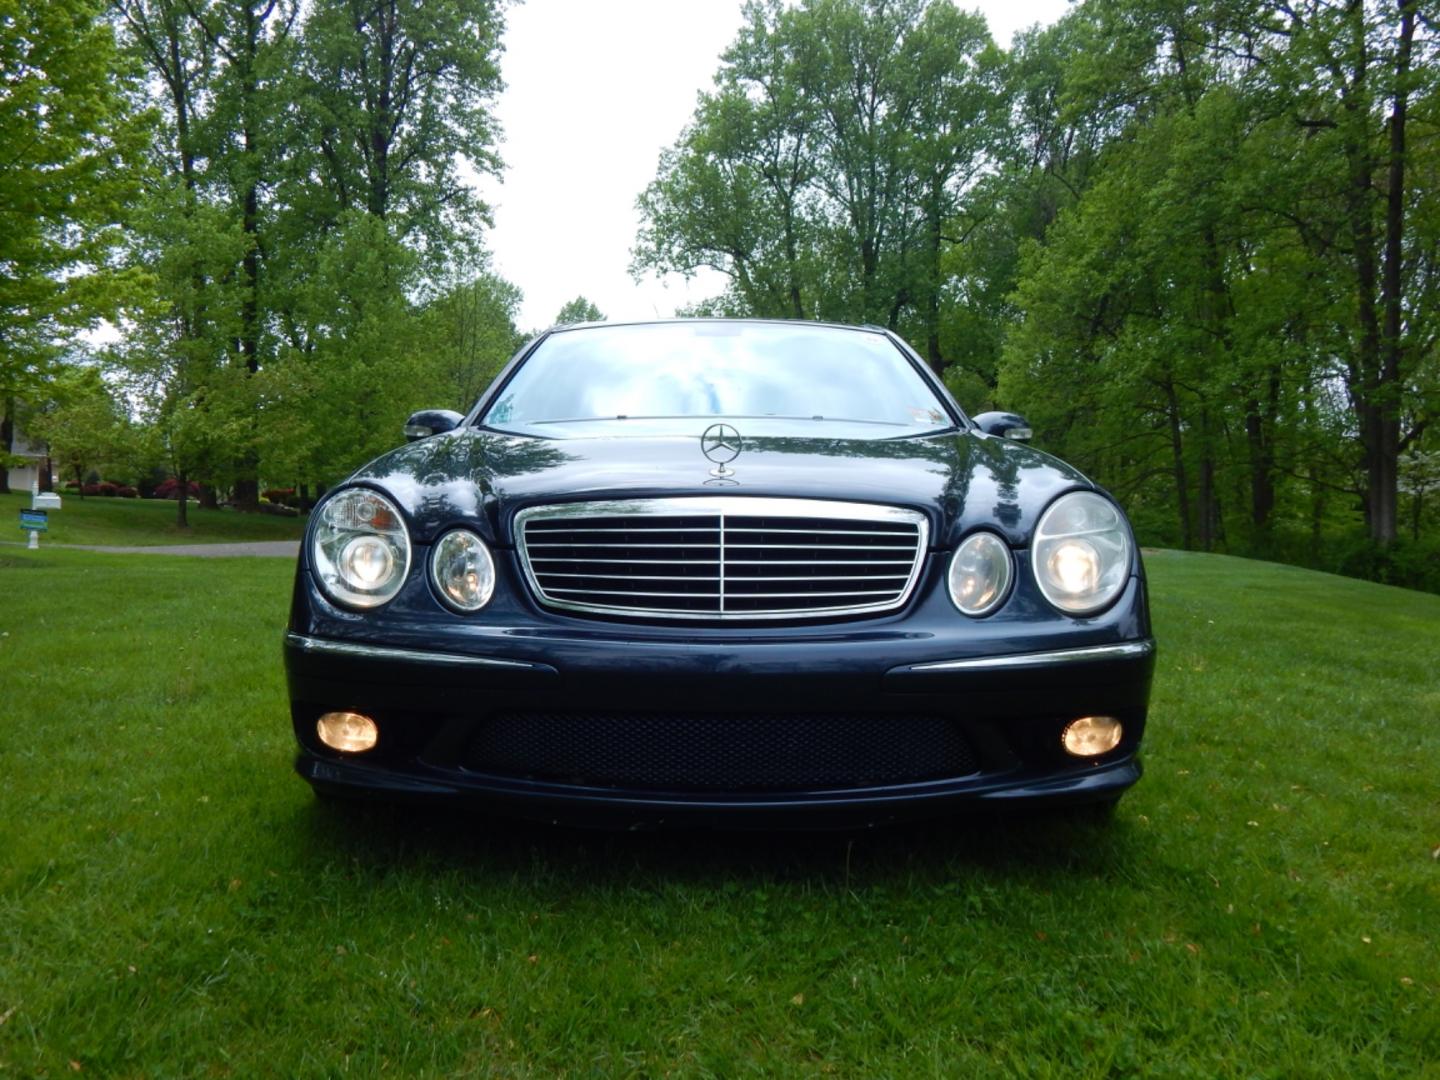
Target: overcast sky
594 91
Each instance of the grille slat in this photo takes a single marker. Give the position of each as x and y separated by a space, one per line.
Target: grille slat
722 557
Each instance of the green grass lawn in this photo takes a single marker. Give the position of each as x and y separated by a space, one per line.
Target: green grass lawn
173 902
143 522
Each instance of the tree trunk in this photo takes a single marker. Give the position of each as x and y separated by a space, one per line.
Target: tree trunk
7 440
1385 466
932 283
182 500
208 500
1259 435
246 493
1177 450
1207 502
1375 373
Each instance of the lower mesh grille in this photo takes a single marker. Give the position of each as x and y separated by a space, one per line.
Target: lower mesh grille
719 752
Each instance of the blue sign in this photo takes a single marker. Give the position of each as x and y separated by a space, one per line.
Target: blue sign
34 520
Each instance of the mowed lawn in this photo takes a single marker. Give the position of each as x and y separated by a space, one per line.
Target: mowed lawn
173 902
142 523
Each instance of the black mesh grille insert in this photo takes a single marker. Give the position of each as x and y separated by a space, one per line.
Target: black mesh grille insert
719 752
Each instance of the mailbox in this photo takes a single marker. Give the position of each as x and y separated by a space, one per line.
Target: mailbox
45 500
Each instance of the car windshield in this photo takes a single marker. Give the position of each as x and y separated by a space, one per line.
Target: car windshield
642 376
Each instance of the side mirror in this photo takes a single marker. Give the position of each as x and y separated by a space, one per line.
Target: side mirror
1007 425
427 422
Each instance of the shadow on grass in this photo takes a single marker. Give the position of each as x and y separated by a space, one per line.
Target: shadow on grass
1030 845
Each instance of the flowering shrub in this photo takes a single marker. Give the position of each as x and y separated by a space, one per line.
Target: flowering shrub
170 489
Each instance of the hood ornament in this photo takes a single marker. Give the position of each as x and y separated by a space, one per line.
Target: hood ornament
721 444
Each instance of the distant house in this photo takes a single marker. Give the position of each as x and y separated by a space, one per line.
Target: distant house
25 475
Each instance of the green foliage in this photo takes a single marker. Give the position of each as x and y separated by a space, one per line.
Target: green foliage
70 137
1204 324
308 230
825 171
396 94
1195 244
578 310
85 426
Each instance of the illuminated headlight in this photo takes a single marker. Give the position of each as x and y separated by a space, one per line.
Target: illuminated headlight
1081 553
980 573
463 571
360 550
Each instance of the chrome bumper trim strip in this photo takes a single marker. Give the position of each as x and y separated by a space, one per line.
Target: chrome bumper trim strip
1057 657
357 651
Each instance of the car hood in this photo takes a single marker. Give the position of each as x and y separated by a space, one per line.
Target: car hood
959 479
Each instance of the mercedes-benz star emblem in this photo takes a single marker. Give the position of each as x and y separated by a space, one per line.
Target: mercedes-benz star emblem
721 444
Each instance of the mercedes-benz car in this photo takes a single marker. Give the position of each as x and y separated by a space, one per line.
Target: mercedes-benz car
724 571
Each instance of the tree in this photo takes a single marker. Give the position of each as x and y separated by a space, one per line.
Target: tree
578 310
217 83
1233 308
82 422
70 138
827 174
309 206
474 334
394 96
392 100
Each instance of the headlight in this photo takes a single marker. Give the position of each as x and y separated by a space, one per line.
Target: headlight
360 550
463 571
980 573
1081 553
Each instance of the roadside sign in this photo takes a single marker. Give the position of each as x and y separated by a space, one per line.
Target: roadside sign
34 520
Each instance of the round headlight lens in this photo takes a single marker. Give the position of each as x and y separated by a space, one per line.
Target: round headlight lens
1081 553
980 573
360 550
463 571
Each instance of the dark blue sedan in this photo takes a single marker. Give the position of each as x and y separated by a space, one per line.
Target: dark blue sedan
723 571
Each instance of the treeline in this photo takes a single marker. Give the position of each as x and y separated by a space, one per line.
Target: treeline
275 210
1196 244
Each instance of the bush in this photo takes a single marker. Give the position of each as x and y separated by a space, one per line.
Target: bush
281 496
1412 564
170 489
127 492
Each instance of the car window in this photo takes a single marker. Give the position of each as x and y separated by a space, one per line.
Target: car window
702 369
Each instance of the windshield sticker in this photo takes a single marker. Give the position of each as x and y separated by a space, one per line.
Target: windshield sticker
925 416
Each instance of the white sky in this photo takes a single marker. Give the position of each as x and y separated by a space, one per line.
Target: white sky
594 91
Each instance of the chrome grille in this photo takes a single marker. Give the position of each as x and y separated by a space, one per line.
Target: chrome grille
722 557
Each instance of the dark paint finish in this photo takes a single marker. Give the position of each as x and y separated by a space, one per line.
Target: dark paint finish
962 479
428 422
1004 424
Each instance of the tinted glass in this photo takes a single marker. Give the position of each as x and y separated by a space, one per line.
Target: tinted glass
687 370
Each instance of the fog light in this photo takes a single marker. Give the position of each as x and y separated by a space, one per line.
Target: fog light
1091 736
347 732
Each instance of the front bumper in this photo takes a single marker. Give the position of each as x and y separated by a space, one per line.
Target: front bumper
1009 708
